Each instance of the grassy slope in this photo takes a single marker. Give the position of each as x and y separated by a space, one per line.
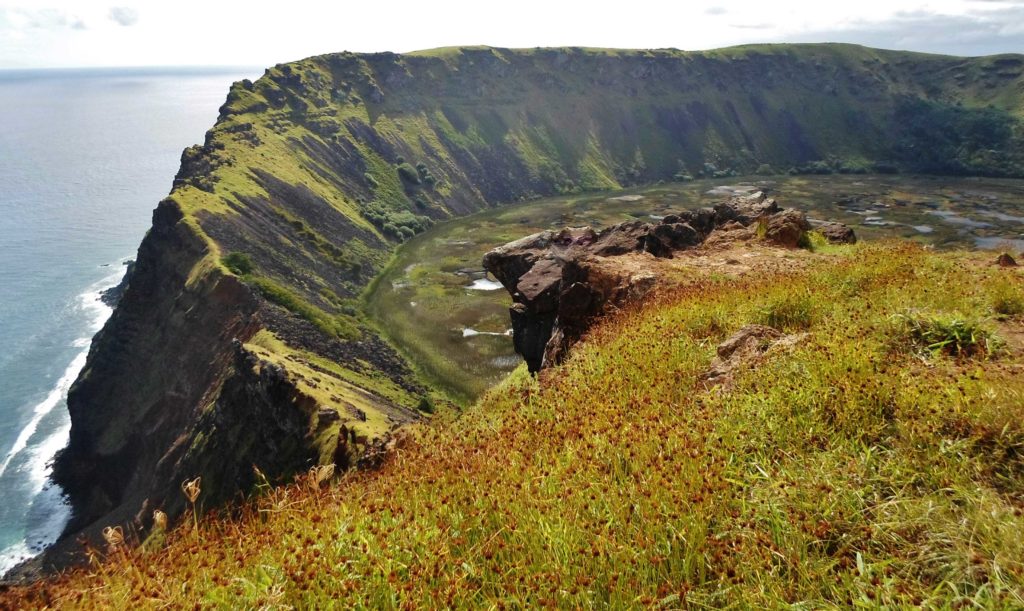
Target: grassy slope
849 469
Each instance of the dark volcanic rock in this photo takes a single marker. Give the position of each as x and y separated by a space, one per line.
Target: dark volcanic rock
531 331
588 286
561 282
787 228
665 238
165 346
112 295
623 238
1005 260
837 233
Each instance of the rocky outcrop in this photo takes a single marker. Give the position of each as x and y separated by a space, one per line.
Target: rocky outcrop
787 228
562 281
560 285
113 295
837 233
745 348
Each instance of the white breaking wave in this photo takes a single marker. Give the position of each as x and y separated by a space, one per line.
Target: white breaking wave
60 391
41 454
13 555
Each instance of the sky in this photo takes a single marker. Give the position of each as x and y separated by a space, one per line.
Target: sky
101 33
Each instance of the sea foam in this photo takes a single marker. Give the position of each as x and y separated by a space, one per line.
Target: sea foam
50 513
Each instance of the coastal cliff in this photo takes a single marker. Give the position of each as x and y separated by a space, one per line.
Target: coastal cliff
239 340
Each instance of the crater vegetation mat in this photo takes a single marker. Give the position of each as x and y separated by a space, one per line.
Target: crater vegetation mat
429 301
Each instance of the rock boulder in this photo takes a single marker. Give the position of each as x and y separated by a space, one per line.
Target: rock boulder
837 233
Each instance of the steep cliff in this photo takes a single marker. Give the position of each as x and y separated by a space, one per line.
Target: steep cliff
239 340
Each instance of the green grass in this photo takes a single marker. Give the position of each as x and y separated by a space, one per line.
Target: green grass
239 263
949 334
338 325
1008 297
789 311
836 473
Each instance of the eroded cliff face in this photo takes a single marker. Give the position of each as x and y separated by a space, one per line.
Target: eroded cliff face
239 340
150 370
172 392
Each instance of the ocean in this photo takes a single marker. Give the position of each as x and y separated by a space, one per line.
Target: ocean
85 155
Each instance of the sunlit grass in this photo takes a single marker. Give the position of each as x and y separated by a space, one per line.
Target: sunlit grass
836 473
949 334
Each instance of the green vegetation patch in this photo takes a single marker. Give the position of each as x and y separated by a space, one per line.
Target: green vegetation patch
238 263
789 311
1007 296
336 325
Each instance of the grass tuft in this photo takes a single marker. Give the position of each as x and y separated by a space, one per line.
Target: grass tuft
953 335
1007 298
792 311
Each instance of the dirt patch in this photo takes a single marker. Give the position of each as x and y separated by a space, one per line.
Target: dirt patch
1012 332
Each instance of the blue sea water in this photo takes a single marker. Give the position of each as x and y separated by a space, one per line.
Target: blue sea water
84 158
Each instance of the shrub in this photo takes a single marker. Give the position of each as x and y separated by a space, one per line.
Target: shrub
408 174
426 405
238 263
813 241
819 167
425 175
853 166
881 167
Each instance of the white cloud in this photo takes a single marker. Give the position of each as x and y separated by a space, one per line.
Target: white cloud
50 32
124 15
996 29
21 19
